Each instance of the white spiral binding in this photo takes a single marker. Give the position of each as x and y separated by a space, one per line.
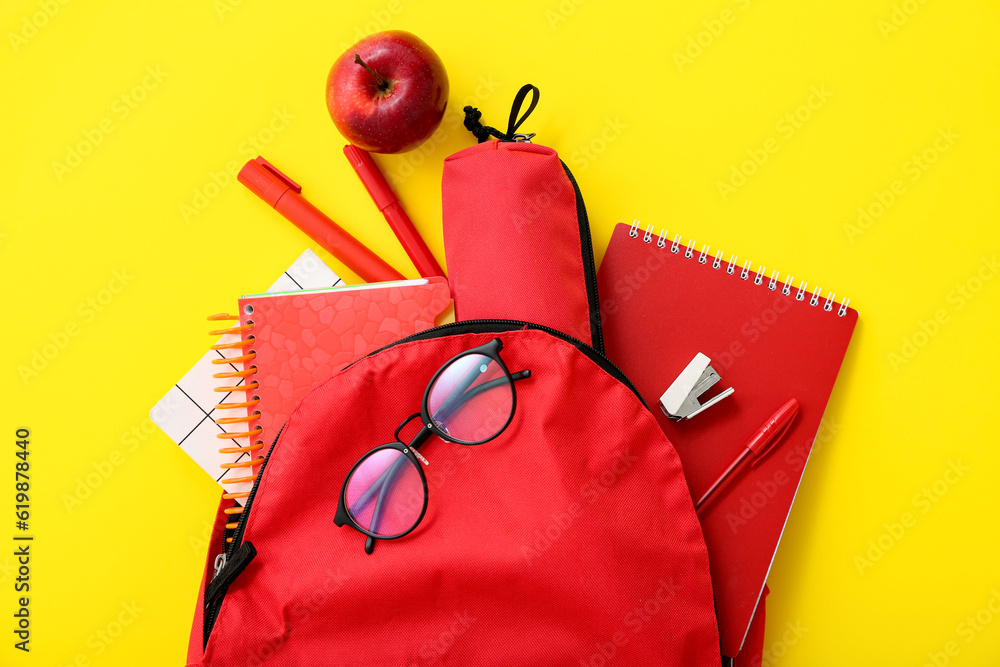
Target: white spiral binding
717 261
802 291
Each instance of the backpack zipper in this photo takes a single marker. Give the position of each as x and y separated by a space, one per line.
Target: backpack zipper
214 606
500 325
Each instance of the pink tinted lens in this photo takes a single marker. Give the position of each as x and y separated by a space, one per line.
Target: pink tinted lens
472 399
385 494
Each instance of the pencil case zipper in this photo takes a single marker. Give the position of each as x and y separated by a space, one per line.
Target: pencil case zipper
589 265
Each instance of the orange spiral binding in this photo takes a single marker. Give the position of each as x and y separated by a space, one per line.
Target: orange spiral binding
233 374
223 332
247 386
232 360
228 346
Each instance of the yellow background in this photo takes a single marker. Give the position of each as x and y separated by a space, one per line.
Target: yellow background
648 135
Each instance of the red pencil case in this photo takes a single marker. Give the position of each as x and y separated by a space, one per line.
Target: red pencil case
516 233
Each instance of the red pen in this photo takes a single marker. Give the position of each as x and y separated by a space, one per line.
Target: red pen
281 192
766 437
388 203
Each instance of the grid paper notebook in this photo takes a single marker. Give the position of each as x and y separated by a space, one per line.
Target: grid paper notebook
187 412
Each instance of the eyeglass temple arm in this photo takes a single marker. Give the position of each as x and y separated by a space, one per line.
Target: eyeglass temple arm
377 512
450 405
419 439
380 485
376 487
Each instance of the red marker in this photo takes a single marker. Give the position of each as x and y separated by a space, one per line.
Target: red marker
766 437
281 192
387 202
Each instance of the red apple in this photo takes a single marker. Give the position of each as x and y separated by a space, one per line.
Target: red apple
388 92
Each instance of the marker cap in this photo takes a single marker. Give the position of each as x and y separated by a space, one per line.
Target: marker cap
266 181
378 188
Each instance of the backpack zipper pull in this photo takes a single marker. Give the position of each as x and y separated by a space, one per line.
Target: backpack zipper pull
231 569
220 562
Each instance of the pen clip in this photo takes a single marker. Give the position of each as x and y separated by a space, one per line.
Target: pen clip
277 174
770 446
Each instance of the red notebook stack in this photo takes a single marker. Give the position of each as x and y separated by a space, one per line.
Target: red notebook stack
302 338
290 341
662 303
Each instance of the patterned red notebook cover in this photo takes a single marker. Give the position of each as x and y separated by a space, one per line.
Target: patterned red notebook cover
661 306
302 338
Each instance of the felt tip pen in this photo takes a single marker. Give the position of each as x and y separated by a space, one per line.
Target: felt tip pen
284 194
388 203
763 441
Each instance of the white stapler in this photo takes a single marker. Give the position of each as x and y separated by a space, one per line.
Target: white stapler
680 400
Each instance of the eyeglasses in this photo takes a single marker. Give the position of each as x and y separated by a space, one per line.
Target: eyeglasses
469 400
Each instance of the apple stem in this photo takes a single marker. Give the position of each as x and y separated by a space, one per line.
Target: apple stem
379 81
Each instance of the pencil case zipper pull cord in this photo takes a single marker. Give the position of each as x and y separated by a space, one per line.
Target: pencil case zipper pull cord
484 132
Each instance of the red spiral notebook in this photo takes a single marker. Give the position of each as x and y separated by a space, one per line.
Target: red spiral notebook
662 302
288 342
301 338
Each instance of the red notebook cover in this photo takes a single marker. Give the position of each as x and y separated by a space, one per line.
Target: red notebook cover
662 303
302 338
752 653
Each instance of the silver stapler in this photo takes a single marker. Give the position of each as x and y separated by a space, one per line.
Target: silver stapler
680 400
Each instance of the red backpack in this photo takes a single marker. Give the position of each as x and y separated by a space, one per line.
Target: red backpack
568 538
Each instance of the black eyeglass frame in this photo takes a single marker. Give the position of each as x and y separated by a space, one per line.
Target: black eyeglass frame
428 427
